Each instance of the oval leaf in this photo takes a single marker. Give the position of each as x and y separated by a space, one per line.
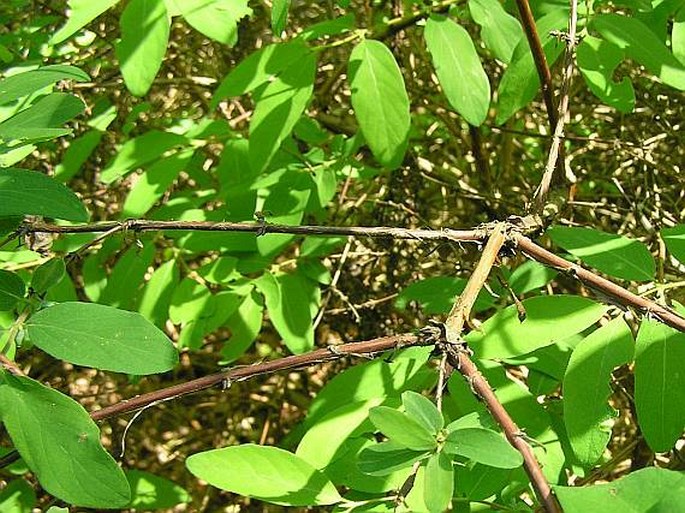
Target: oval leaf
438 482
483 446
47 275
23 84
265 473
387 457
458 68
102 337
24 192
660 384
144 36
81 12
422 410
675 241
149 491
216 19
607 252
61 444
500 31
587 415
12 290
402 429
548 318
380 101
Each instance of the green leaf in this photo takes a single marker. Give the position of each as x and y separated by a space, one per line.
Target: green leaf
279 15
597 61
529 276
380 101
548 318
127 277
149 491
438 293
289 306
245 325
387 457
43 120
258 68
12 290
153 183
660 384
483 446
24 192
675 241
500 30
28 82
76 155
678 36
61 445
141 150
329 27
654 490
459 69
403 429
81 12
321 444
642 45
266 473
47 275
607 252
438 482
520 82
216 19
156 297
279 106
587 415
422 410
144 36
17 497
119 341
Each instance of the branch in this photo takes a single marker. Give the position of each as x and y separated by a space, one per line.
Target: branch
543 189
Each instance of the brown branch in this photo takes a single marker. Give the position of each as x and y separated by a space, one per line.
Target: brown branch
539 58
622 296
461 361
542 191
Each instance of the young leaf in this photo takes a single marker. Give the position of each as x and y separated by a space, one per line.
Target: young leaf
102 337
380 101
144 37
458 67
597 61
12 290
402 429
149 491
216 19
548 318
81 12
279 15
675 241
279 106
500 31
28 82
438 482
609 253
289 309
660 383
649 489
61 445
642 45
266 473
422 410
483 446
24 192
48 274
520 82
258 68
138 151
587 416
43 120
387 457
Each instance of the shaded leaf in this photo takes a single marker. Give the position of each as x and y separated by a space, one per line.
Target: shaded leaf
266 473
587 415
529 276
438 293
12 290
245 325
149 491
380 101
402 429
119 341
61 445
17 497
156 297
42 120
24 192
387 457
438 482
483 446
81 12
459 69
500 31
422 410
607 252
48 274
